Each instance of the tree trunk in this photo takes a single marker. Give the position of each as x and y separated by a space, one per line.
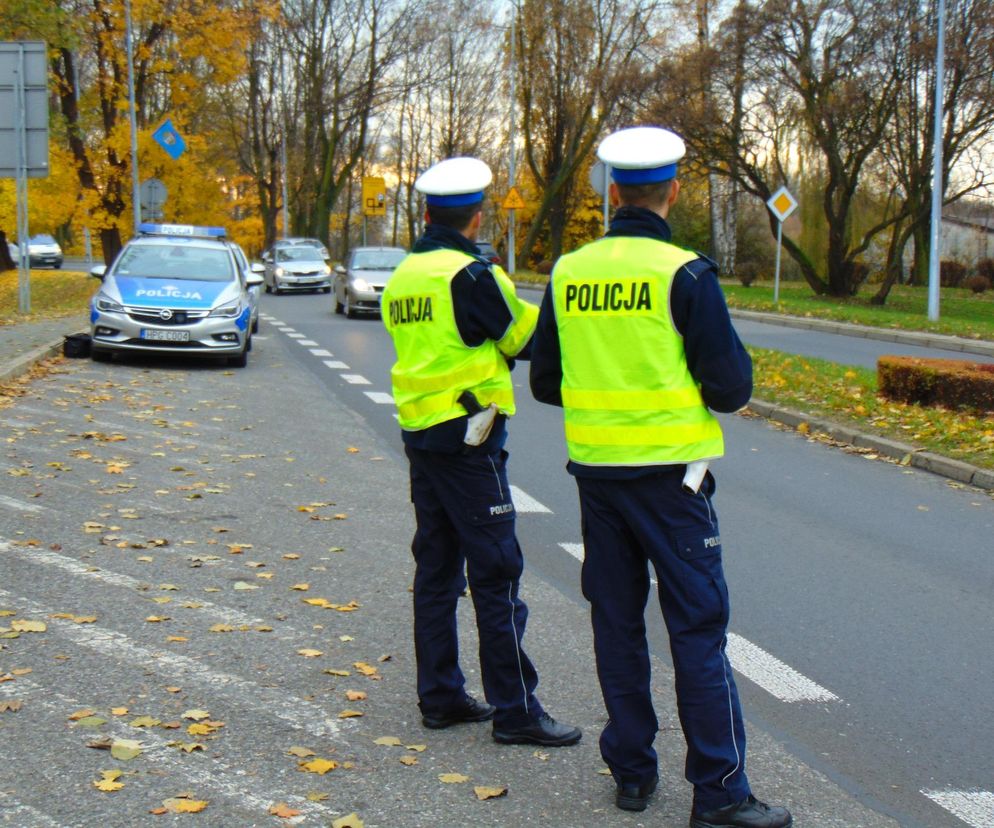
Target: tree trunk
6 262
723 207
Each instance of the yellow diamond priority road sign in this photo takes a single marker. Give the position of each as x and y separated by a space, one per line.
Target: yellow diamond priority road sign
782 204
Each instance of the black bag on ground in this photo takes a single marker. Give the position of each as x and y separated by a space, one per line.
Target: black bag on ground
76 345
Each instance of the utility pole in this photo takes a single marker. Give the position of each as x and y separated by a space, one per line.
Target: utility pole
935 243
511 213
135 199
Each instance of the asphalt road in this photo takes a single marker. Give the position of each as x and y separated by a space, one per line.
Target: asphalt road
162 524
861 590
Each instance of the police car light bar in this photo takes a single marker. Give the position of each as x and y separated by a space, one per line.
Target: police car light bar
188 230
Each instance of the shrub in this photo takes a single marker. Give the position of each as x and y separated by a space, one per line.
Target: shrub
947 382
747 272
985 267
978 283
951 273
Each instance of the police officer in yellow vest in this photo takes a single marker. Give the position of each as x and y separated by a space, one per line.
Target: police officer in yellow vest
634 341
457 326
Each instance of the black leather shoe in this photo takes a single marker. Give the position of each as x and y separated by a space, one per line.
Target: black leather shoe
544 731
631 797
470 710
749 813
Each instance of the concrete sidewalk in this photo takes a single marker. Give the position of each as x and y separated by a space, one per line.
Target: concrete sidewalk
24 344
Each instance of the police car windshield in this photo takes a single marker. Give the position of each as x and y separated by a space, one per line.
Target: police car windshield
163 261
378 259
298 253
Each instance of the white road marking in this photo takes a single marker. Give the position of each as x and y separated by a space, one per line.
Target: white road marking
975 808
356 379
227 780
526 503
757 665
11 503
13 812
380 397
286 328
770 673
273 701
321 352
307 343
334 363
40 556
296 335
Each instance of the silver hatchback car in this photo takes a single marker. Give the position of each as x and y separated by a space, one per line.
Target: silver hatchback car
296 264
360 281
174 289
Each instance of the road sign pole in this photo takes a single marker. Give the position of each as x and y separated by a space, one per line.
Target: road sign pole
23 233
135 199
776 273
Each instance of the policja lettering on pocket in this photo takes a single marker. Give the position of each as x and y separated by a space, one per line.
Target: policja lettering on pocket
637 383
457 325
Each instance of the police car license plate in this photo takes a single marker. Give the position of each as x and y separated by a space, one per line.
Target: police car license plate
165 336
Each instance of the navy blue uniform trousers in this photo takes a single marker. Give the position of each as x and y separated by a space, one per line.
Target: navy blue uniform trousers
627 525
465 524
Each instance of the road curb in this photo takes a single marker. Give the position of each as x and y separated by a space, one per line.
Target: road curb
892 449
924 340
26 361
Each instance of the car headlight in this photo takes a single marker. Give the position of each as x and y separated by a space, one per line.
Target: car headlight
360 284
327 270
228 311
279 272
105 303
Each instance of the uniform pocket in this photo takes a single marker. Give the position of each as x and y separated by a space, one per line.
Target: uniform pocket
697 543
486 510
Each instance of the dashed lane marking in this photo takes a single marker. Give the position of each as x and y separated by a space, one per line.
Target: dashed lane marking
336 364
11 503
307 343
526 503
37 555
760 667
302 715
379 397
321 352
356 379
296 335
224 779
975 808
13 812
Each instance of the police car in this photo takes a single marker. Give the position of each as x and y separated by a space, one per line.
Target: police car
175 289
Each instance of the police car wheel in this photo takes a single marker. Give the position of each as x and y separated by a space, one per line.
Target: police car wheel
239 361
255 326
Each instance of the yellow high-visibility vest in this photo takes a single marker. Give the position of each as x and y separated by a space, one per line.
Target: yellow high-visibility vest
628 396
434 366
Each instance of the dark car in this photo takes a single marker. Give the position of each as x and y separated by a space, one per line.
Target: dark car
490 253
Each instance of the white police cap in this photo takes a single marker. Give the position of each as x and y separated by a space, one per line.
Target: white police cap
454 182
642 155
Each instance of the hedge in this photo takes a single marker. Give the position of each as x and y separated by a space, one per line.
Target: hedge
933 382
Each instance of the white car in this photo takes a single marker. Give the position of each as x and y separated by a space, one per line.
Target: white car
294 264
43 251
174 289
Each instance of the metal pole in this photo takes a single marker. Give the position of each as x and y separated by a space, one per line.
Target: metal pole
510 213
23 232
935 242
607 198
286 198
135 199
776 274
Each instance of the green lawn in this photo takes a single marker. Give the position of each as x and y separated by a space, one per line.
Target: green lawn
54 293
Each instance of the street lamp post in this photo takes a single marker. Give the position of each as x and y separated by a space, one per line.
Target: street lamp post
935 242
135 200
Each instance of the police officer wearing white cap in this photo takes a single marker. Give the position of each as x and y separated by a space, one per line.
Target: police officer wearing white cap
635 342
457 325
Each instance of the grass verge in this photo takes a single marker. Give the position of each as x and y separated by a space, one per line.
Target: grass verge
54 294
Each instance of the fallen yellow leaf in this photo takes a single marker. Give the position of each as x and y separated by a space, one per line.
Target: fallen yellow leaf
319 766
307 653
301 752
180 805
483 792
452 778
23 625
408 760
284 811
350 714
355 695
301 587
350 821
387 740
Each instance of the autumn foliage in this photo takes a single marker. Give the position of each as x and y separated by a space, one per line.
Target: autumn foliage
931 382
